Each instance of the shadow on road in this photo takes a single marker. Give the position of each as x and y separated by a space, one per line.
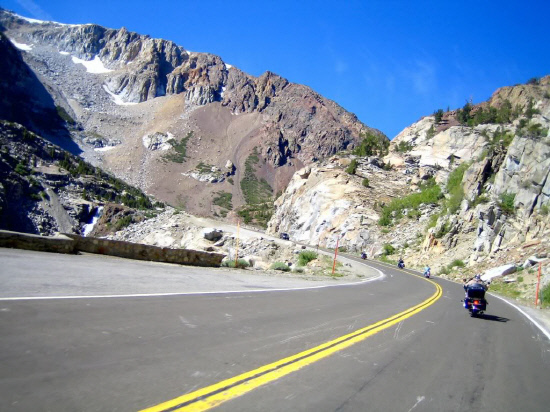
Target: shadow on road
493 318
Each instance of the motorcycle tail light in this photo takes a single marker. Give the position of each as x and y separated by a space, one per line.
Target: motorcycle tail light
476 302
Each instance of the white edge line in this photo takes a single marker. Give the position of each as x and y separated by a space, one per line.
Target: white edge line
220 292
538 325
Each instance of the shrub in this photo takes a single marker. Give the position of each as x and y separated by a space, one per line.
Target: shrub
388 249
372 145
230 263
352 168
223 199
438 114
21 169
123 222
430 194
254 190
306 256
506 202
458 263
520 279
366 182
404 147
545 296
298 270
280 266
179 150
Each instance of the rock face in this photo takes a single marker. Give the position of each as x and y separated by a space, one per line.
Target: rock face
324 204
500 202
118 86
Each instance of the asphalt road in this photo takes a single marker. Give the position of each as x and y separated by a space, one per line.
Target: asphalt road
130 353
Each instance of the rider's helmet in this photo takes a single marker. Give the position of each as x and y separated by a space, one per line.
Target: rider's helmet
477 277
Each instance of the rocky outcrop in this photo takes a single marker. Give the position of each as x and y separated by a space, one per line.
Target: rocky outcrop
44 189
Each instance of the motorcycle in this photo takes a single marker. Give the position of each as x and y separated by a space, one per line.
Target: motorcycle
427 274
474 301
363 255
401 265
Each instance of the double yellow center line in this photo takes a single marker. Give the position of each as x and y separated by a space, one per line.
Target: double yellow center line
213 395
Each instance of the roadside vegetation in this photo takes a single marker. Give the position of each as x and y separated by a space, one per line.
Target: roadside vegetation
240 264
257 193
430 193
372 145
178 153
306 256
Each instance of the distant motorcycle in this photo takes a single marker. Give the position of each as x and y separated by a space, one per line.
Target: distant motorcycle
401 264
363 255
474 301
427 273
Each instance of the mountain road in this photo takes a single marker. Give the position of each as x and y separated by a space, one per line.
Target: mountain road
165 337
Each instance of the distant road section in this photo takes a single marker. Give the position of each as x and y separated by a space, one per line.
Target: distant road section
49 275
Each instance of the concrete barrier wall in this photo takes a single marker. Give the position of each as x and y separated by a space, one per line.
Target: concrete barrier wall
16 240
69 243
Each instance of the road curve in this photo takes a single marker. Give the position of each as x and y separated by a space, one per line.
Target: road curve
137 352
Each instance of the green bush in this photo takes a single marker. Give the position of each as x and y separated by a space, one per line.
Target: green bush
506 202
178 154
22 169
388 249
372 145
280 266
352 168
306 256
545 296
430 194
123 222
458 263
223 199
230 263
298 270
366 182
403 147
438 114
254 190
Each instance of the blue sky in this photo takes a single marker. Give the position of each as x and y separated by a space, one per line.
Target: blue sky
389 62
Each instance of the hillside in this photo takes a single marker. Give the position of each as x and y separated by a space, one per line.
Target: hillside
185 127
461 191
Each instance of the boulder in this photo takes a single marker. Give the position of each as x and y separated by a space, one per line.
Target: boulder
498 271
212 234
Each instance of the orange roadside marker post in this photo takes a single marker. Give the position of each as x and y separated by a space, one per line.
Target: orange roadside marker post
237 249
335 255
538 285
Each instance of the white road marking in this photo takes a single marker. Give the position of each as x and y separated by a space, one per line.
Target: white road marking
187 323
418 400
221 292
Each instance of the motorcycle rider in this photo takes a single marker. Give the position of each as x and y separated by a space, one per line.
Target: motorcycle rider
363 255
476 280
427 271
401 263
